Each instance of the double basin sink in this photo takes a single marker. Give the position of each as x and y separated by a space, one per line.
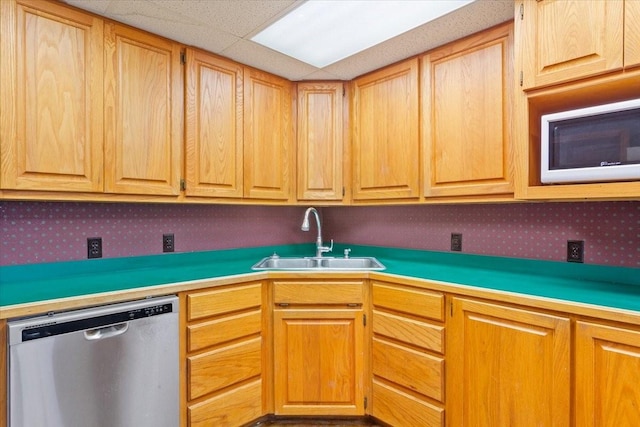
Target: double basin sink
275 262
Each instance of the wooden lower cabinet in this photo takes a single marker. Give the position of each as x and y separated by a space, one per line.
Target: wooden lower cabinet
407 355
607 376
223 350
318 348
507 366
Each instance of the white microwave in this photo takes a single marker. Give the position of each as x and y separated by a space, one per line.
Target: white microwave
595 144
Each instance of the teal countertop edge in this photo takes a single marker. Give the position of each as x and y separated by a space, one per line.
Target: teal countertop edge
617 287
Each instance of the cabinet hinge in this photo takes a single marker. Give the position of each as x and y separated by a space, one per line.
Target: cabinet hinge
364 320
343 192
451 308
521 11
365 402
521 78
283 304
183 185
344 91
183 57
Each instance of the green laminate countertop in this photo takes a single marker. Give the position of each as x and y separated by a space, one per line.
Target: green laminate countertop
616 287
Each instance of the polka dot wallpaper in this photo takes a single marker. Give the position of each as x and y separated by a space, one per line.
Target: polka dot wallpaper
35 232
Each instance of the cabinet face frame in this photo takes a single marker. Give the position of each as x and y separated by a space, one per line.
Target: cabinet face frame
143 112
320 141
53 140
467 96
214 126
631 33
386 134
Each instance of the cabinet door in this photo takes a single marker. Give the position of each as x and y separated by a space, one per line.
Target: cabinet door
269 161
318 362
631 33
386 145
566 40
467 94
213 126
143 112
51 103
320 141
506 367
607 376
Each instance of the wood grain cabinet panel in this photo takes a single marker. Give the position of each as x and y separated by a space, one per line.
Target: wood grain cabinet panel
320 141
467 96
214 126
408 300
223 300
386 134
631 33
506 366
143 112
233 408
398 408
269 149
567 40
51 108
607 376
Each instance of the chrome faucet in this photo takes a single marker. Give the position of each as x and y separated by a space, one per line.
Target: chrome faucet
305 227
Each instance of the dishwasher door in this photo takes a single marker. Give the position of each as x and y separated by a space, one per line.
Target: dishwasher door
111 366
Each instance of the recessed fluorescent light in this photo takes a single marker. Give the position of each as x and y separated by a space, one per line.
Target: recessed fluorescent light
321 32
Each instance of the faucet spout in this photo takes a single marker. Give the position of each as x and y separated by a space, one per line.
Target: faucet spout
320 249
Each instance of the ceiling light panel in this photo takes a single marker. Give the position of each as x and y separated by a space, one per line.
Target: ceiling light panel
321 32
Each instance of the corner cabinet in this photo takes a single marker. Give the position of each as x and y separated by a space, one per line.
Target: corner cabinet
51 108
407 356
320 141
507 366
269 149
318 346
607 375
143 112
467 96
223 355
214 126
386 134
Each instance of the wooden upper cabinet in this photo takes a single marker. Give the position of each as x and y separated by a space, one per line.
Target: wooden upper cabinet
607 375
564 40
631 33
143 112
386 142
214 125
467 96
320 141
506 366
51 104
269 151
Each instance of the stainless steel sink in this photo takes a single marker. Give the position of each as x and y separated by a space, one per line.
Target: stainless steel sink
323 263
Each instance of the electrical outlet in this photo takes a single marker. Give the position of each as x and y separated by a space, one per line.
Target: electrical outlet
575 250
94 247
456 242
168 243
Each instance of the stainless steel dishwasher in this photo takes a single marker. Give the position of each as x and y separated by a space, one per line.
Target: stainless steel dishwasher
110 366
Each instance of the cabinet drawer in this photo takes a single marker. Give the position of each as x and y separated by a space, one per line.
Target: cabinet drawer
409 300
411 331
223 367
318 292
232 408
416 371
400 409
225 300
224 329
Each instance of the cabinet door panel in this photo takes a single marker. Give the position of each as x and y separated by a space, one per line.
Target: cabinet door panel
467 97
320 141
607 376
214 158
268 137
144 109
318 362
51 106
386 134
507 366
567 40
631 33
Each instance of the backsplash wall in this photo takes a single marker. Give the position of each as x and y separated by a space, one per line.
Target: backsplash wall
35 232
